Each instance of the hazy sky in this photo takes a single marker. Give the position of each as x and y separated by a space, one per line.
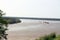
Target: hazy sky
31 8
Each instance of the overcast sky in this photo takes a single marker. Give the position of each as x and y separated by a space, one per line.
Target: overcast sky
31 8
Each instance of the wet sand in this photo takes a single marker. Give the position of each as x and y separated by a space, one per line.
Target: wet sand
31 30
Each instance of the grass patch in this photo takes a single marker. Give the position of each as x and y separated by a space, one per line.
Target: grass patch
57 38
51 36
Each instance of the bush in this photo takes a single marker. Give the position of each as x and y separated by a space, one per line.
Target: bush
48 37
52 35
57 38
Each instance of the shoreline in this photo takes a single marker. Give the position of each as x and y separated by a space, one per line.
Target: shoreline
31 31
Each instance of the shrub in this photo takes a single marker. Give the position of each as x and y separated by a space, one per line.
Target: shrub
57 38
48 37
52 35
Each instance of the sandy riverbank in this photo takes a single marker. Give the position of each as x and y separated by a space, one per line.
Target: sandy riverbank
31 31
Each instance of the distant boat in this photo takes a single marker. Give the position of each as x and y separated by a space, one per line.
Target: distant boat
46 22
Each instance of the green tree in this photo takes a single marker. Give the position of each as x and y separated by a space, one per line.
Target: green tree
3 26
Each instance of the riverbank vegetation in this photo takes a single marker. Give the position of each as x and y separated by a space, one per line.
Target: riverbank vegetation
51 36
3 27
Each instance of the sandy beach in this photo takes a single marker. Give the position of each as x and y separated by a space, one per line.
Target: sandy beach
30 30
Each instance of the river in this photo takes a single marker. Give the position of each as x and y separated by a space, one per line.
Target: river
31 29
